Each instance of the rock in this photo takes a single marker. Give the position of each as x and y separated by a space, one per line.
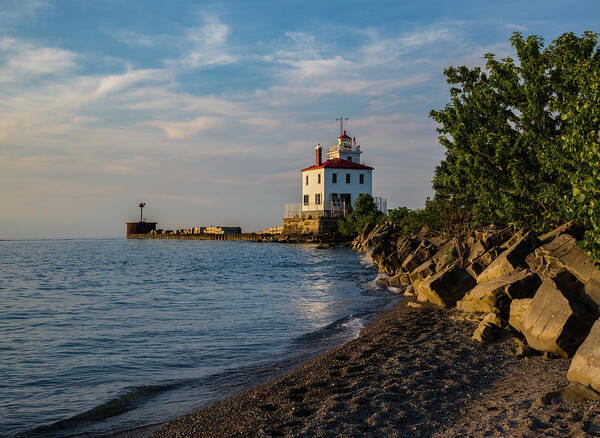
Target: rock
487 329
492 237
573 392
585 366
564 249
521 349
418 256
517 311
446 287
404 247
563 253
478 265
438 241
497 294
555 320
399 280
510 242
445 255
569 228
424 270
510 259
476 250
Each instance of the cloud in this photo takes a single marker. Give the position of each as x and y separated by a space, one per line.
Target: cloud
207 46
23 61
112 83
12 11
179 130
137 39
262 124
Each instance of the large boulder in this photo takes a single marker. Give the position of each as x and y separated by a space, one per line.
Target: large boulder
405 246
569 228
444 255
446 287
585 366
483 261
423 271
476 250
418 256
556 321
510 259
497 294
493 237
488 328
518 309
563 253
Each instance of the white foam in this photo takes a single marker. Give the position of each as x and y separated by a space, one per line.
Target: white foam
354 326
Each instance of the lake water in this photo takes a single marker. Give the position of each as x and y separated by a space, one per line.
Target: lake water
98 336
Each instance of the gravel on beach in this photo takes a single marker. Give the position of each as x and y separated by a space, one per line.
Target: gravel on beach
412 372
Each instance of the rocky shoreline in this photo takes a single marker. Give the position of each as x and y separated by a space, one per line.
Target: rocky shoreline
497 336
543 290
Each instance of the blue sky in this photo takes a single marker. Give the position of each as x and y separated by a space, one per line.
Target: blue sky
208 110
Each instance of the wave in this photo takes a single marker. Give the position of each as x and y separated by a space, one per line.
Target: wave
133 398
349 322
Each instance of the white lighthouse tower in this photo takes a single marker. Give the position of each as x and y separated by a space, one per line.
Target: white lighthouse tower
330 187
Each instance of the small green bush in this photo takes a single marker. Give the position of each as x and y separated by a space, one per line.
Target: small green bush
365 211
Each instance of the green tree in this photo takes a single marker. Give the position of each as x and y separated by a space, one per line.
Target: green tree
365 211
521 137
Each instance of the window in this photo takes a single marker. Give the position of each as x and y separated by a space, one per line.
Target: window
334 178
318 198
305 199
319 178
347 178
361 178
306 179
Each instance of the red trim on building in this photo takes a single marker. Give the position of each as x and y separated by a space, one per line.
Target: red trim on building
338 163
344 135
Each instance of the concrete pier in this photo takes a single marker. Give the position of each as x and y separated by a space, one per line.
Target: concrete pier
255 237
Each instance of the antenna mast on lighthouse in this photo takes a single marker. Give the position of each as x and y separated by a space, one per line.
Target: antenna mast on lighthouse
340 120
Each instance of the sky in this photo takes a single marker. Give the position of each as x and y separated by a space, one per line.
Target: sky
207 111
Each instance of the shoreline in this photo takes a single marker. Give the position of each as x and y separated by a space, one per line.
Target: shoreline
413 371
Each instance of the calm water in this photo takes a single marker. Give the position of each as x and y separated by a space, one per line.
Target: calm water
106 335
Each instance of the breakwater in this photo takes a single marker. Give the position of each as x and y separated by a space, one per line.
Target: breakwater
254 237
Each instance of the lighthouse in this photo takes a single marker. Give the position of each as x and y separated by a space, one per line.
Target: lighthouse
330 187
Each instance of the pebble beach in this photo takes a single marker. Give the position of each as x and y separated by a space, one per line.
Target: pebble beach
414 371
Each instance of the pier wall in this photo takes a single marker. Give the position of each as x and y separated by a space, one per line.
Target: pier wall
255 237
316 225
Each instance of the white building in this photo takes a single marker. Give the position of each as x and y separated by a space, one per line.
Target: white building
332 186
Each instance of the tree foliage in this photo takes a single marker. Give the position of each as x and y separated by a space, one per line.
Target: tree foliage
365 211
522 137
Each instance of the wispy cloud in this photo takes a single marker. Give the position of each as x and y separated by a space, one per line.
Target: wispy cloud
207 46
11 11
24 61
112 83
179 130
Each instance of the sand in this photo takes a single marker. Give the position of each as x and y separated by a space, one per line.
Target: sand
412 372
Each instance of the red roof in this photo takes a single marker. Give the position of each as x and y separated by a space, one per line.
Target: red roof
338 163
344 136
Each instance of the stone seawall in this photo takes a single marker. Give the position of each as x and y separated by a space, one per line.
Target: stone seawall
316 225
